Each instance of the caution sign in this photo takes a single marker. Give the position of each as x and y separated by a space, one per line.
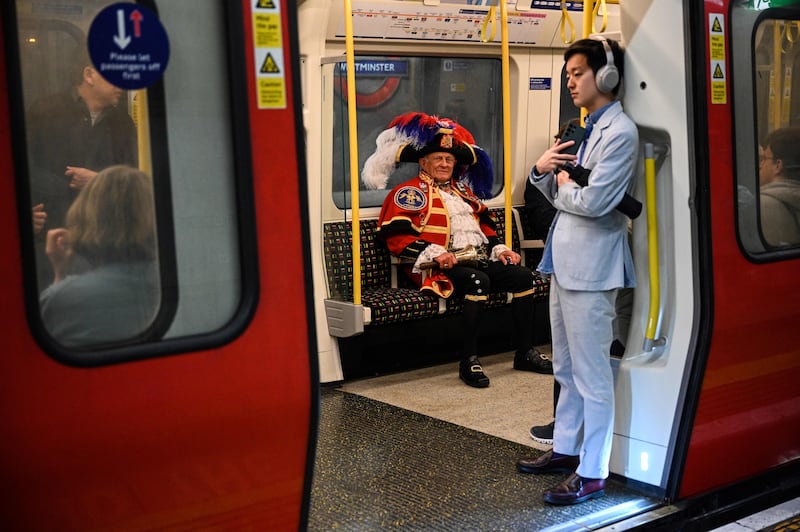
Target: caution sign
268 50
718 82
716 45
269 66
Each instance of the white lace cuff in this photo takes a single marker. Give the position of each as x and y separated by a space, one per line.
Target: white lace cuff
496 251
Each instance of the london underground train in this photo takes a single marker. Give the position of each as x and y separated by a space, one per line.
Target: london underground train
248 117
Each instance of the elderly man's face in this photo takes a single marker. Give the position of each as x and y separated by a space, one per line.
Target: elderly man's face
439 165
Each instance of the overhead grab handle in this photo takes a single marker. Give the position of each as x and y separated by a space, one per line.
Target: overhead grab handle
489 21
591 10
566 19
601 4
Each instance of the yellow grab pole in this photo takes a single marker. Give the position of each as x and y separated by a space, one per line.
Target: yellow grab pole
506 122
652 246
142 119
775 79
588 17
353 132
588 14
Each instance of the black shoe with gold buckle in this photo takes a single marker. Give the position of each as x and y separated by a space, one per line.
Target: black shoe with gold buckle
533 360
471 372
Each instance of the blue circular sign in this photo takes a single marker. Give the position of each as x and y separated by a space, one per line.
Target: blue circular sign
128 46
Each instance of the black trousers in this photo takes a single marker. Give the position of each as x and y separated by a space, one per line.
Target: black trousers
474 284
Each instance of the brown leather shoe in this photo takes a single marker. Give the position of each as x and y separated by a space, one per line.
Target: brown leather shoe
575 489
547 463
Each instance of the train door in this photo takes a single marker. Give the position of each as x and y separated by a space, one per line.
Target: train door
688 397
750 233
156 366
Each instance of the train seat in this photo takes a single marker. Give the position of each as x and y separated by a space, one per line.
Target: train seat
386 296
385 303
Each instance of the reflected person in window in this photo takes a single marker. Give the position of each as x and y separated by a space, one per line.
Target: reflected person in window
779 187
430 217
72 135
110 237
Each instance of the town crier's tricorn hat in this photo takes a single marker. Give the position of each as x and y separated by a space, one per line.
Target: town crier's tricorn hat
414 135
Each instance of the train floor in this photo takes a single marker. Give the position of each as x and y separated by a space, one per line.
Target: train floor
422 451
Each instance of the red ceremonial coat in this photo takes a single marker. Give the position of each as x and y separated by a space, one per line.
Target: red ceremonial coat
414 215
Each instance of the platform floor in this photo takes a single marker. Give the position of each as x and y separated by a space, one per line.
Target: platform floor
421 451
383 467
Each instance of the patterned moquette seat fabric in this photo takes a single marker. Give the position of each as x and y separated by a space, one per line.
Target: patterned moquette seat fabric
387 304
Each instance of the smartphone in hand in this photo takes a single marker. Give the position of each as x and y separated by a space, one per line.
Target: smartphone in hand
573 132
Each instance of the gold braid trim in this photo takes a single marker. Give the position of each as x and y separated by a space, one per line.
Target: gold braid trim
523 294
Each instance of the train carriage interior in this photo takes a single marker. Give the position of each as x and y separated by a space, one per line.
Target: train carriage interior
410 352
442 66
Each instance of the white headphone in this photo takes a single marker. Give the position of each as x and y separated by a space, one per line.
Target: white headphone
607 76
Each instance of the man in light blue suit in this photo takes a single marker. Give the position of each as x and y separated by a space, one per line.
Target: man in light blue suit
588 257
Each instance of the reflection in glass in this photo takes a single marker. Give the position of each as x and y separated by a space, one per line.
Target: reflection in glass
96 265
467 90
105 283
777 60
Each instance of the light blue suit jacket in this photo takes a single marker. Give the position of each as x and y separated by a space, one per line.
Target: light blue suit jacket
588 238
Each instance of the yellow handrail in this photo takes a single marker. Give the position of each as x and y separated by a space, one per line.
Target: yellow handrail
652 247
353 132
775 79
491 18
142 120
588 24
506 121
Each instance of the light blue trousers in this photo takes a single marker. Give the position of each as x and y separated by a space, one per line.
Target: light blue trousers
581 326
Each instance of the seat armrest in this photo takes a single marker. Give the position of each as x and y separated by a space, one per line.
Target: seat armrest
398 262
531 244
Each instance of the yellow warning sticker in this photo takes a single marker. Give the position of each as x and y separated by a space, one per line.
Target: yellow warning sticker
718 82
271 94
267 30
268 51
717 70
270 66
716 48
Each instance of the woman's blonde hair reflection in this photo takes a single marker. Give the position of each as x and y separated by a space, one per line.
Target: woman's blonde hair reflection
106 284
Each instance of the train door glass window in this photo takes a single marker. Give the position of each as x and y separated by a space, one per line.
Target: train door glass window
134 236
467 90
768 177
778 108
